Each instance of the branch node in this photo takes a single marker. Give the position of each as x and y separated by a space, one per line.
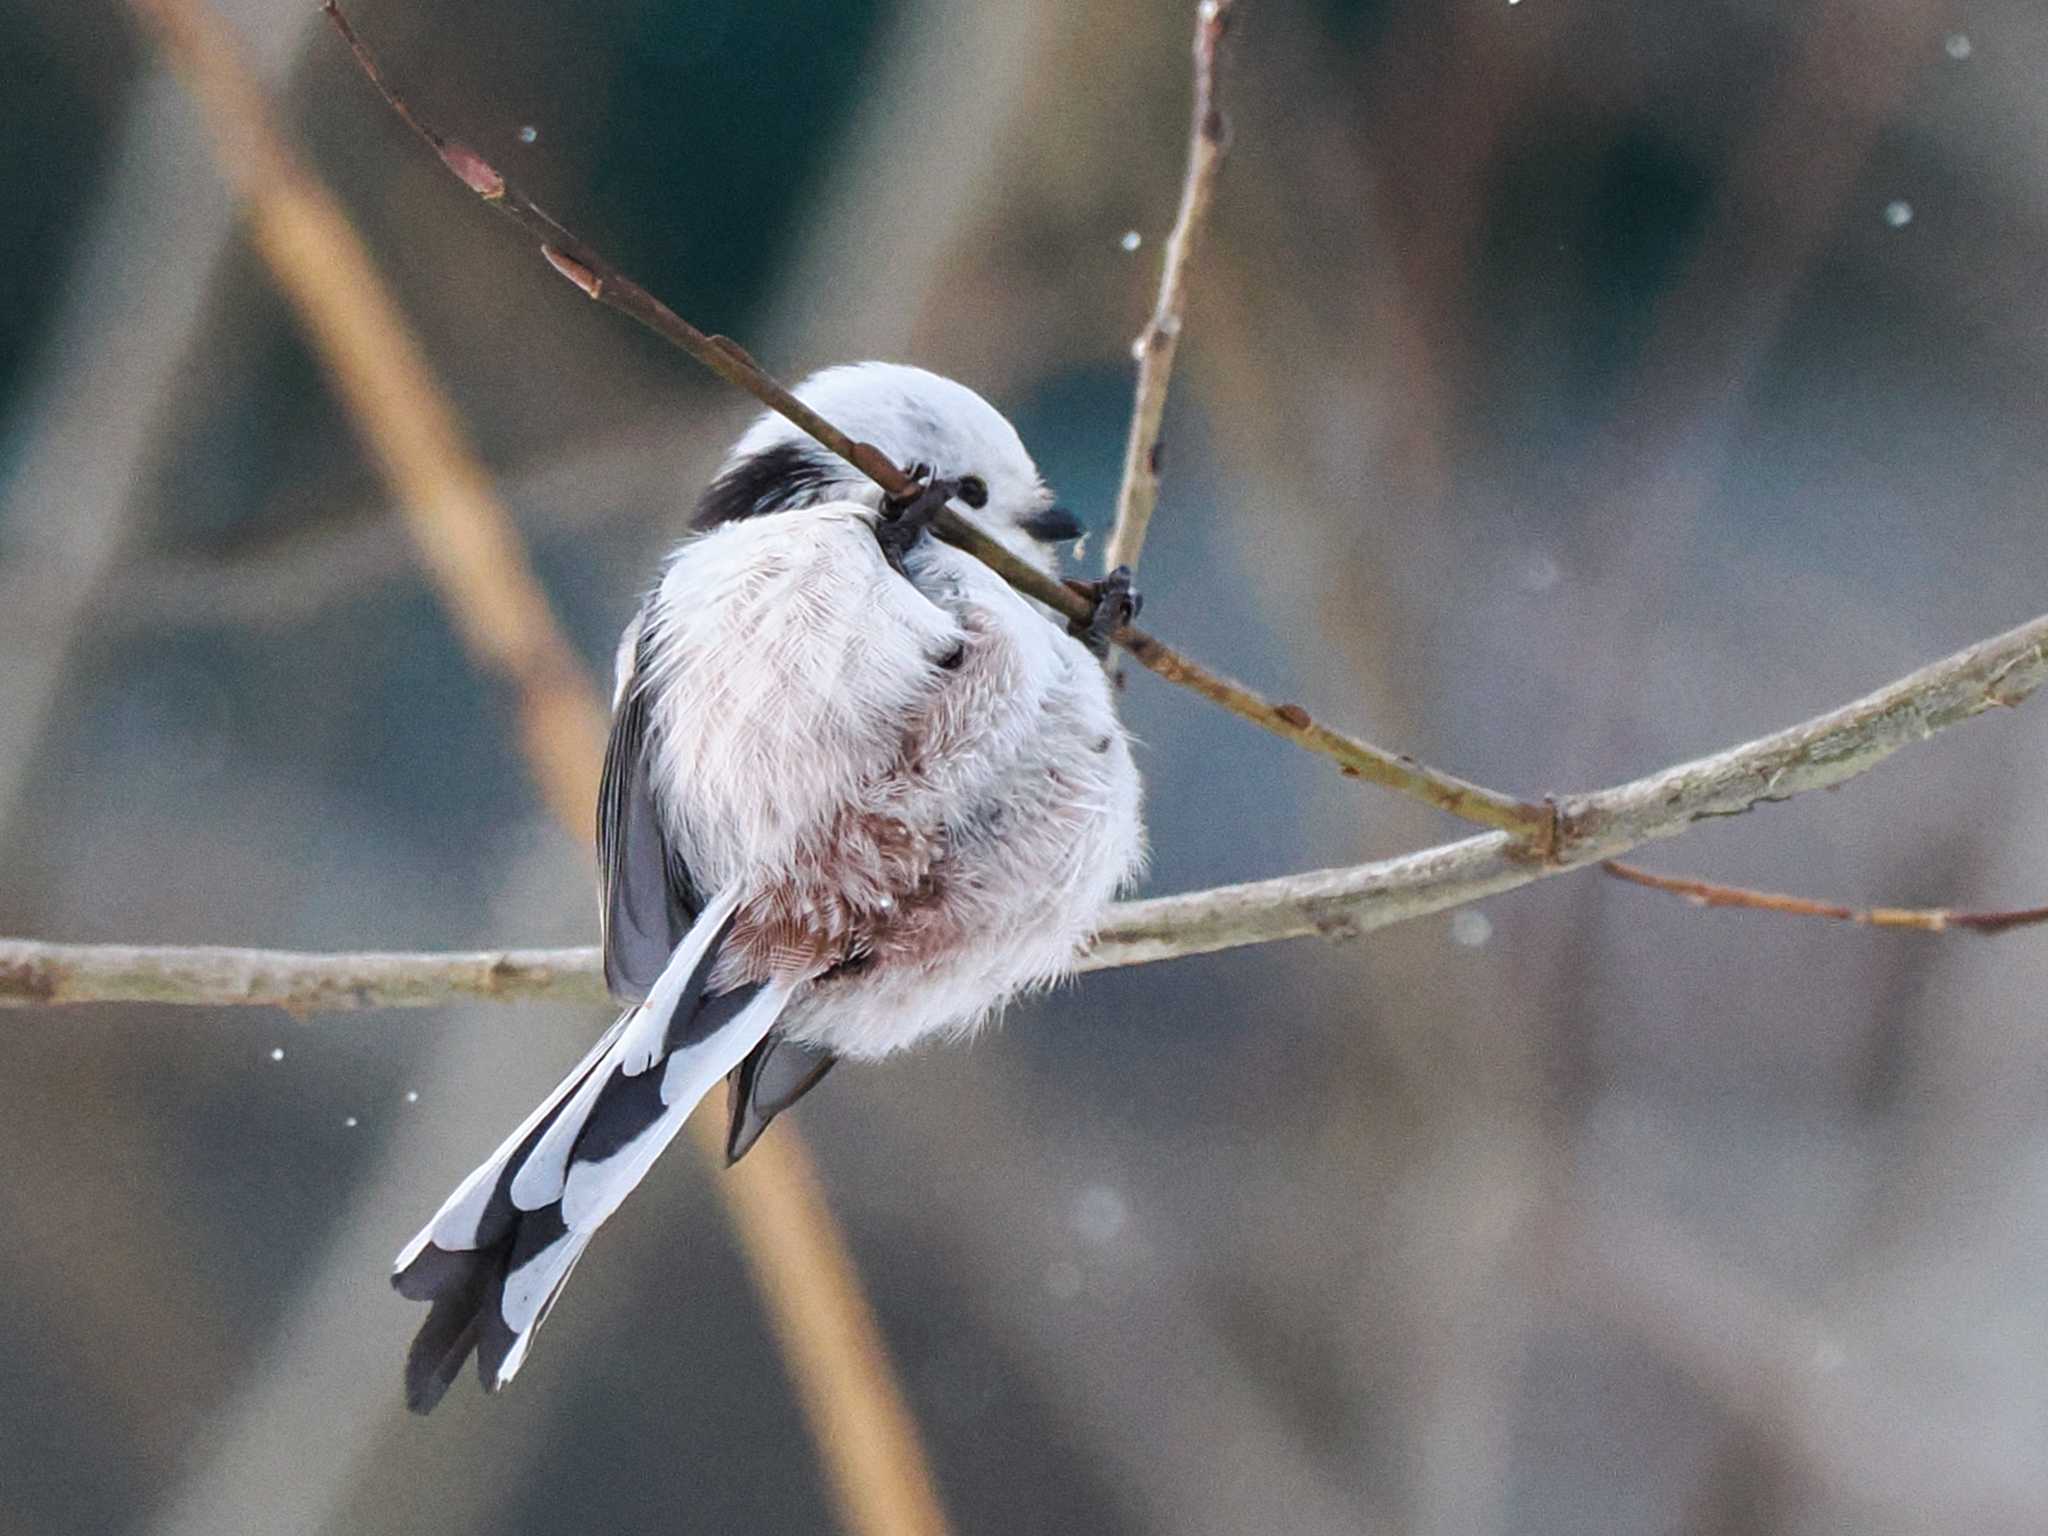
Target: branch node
474 171
736 352
27 981
604 283
575 271
1546 842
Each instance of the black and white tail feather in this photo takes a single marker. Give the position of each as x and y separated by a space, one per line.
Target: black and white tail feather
496 1255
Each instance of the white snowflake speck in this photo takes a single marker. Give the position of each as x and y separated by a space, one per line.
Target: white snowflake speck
1099 1214
1470 927
1539 573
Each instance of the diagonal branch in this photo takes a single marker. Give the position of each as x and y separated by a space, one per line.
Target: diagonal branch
581 264
1705 893
1820 753
1159 342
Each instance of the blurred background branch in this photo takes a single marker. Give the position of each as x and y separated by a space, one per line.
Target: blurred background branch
84 441
861 1427
457 525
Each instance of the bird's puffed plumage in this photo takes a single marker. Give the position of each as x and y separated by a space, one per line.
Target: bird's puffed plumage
845 809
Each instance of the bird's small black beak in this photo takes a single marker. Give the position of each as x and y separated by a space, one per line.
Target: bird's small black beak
1053 525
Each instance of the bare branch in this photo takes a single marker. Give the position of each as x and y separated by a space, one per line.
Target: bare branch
34 974
1822 752
1159 342
582 265
1704 893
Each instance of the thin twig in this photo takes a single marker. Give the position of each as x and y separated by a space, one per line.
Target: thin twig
874 1464
1159 343
583 266
1704 893
1820 753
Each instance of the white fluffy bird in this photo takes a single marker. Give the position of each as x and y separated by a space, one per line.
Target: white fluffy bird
858 793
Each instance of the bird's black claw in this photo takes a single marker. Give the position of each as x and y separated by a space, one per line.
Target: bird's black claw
905 518
1116 603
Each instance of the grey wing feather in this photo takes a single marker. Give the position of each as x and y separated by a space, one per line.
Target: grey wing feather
776 1073
649 898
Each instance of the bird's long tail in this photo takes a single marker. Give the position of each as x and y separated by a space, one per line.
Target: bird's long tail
495 1256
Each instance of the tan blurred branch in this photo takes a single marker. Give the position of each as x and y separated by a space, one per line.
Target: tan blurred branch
1820 753
581 264
461 531
1704 893
875 1466
624 477
1852 1408
1159 342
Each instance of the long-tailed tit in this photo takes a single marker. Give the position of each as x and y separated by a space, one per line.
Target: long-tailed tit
858 793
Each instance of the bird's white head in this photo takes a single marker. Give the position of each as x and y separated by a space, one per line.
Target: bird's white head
916 418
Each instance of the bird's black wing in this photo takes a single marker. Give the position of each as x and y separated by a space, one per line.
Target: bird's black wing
649 898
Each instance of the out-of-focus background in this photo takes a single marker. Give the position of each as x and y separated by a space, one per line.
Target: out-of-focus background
1568 389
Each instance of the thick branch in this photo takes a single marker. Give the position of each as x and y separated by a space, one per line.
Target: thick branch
1334 903
1159 342
582 265
33 974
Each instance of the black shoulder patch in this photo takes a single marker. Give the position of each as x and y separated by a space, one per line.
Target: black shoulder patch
766 482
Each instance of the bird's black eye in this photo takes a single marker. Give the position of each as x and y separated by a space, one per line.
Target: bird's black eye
974 491
1052 525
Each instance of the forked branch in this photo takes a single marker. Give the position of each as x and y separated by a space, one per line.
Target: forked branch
579 262
1820 753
